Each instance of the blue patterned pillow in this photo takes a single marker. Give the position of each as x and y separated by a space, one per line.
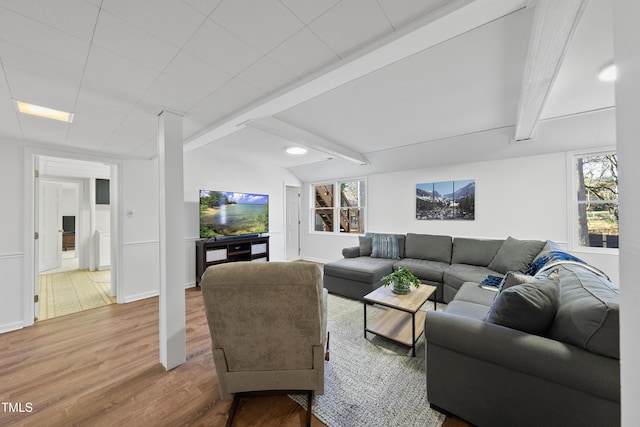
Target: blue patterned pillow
385 246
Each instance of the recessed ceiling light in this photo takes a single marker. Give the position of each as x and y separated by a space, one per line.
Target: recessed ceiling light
47 113
608 74
296 150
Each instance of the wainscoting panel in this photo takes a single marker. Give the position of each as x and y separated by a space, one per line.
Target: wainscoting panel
12 303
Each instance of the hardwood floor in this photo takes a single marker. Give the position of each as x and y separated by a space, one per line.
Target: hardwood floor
100 367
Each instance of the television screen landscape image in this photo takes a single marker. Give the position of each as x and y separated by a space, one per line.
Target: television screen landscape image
233 214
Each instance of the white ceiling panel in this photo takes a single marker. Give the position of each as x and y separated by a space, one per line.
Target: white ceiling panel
122 38
76 17
404 12
262 24
203 6
170 20
44 39
196 72
350 25
267 75
35 89
308 11
303 54
237 93
41 130
220 48
173 94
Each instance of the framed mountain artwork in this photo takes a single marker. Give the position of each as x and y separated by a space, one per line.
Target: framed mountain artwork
446 200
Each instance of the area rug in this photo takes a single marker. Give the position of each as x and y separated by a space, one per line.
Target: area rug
73 291
373 381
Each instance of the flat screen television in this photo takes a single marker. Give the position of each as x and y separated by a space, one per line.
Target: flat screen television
224 213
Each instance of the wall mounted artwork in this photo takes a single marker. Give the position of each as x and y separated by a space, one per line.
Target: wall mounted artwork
446 200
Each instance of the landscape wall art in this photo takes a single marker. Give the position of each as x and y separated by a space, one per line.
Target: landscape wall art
446 200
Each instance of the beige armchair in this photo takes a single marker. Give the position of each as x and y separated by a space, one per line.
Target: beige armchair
268 326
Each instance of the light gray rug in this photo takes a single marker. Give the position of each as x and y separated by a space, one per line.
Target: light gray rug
373 381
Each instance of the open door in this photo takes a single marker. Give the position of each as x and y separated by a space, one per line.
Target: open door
50 225
293 222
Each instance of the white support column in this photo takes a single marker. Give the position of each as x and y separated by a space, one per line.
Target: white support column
172 298
626 39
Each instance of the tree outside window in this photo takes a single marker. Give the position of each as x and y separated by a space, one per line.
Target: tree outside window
597 200
342 212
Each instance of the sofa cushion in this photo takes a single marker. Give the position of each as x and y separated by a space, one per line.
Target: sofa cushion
467 309
528 307
515 255
513 278
474 251
589 312
472 292
423 269
428 246
365 243
456 274
385 246
362 269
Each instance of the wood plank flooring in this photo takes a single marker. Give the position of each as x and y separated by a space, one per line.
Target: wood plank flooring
100 368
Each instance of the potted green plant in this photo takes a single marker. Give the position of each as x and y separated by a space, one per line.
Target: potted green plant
401 281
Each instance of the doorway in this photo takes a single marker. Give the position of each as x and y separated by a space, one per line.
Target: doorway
292 201
74 223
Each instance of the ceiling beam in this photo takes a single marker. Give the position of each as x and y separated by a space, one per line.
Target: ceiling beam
457 17
554 23
292 133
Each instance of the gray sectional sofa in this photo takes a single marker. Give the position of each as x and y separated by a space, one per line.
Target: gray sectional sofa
534 349
540 351
436 260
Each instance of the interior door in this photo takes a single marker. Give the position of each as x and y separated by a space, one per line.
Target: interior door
50 225
293 222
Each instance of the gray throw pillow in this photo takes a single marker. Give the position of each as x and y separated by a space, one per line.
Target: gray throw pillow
385 246
515 255
528 307
365 245
513 278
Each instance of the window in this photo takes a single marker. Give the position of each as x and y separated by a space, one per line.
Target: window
596 200
341 214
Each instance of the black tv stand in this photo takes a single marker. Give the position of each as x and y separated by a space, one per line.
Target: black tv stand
230 249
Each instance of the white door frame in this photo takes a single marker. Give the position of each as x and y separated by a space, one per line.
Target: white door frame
286 221
30 215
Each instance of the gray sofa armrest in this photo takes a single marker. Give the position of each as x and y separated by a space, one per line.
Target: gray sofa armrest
351 252
533 355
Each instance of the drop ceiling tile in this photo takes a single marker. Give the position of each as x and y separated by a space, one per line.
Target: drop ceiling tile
41 130
170 20
220 48
173 94
116 92
75 17
148 150
203 6
195 71
307 10
403 12
208 112
238 95
124 39
267 75
350 25
132 133
262 24
110 65
37 89
303 54
49 41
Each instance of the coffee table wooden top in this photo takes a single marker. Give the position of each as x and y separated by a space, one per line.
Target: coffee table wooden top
410 302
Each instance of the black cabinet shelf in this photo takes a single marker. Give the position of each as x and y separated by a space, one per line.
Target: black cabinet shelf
212 252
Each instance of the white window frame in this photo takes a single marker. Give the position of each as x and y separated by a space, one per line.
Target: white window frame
572 202
336 208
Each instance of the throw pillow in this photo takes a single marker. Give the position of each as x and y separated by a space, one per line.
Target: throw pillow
515 255
528 307
365 245
513 278
385 246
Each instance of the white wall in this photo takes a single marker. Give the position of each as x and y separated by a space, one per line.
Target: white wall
12 232
626 41
525 198
205 171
